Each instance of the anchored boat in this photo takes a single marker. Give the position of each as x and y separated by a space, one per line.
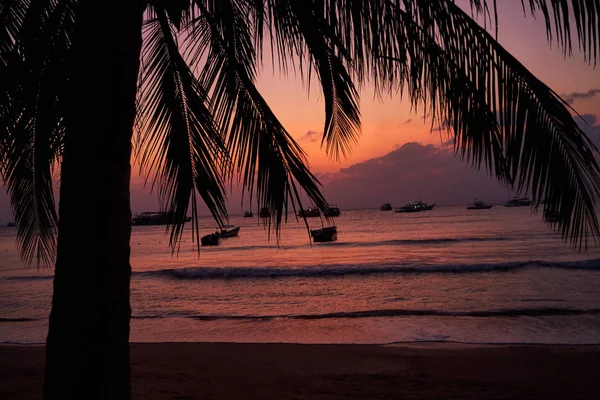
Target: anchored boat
328 234
156 218
479 205
415 206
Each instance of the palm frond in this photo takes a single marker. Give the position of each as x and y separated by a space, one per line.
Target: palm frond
500 114
12 14
31 122
181 147
270 162
303 28
545 149
558 15
537 146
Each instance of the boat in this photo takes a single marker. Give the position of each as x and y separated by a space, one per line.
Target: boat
328 234
10 224
156 218
248 214
415 206
518 202
228 231
332 211
385 207
309 212
265 213
479 205
210 240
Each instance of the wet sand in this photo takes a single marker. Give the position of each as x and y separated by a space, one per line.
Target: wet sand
185 371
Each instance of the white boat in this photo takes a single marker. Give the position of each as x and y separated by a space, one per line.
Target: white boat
415 206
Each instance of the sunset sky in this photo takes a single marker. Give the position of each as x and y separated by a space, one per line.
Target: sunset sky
383 167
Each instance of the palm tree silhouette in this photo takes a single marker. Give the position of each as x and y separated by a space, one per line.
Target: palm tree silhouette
78 77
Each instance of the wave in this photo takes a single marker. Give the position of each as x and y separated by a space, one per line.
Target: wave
510 312
391 242
200 273
316 271
422 241
28 278
518 312
17 319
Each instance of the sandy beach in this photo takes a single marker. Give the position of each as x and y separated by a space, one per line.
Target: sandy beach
186 371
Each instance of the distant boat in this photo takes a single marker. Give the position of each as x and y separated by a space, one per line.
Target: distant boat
518 202
385 207
228 231
328 234
309 212
479 205
156 218
265 213
210 240
332 211
10 224
415 206
248 214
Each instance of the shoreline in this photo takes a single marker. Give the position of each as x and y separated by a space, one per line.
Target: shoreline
413 370
408 343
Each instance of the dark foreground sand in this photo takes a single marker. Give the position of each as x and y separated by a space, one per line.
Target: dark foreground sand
186 371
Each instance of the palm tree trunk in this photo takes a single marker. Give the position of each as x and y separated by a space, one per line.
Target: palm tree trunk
87 348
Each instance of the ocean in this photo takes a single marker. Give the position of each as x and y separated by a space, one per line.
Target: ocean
487 276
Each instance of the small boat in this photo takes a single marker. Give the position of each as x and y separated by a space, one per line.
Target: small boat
248 214
265 213
479 205
156 218
309 212
518 202
415 206
10 224
210 240
385 207
228 231
332 211
328 234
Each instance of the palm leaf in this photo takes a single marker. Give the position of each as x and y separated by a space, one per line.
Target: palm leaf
541 149
558 15
268 159
31 121
303 28
181 147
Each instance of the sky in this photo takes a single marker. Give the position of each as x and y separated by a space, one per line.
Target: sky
398 158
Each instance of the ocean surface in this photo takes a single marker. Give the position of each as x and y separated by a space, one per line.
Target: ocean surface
487 276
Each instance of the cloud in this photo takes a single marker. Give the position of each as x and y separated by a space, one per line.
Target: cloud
450 142
413 171
311 136
571 97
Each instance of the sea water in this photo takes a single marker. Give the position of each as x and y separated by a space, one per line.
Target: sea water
485 276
